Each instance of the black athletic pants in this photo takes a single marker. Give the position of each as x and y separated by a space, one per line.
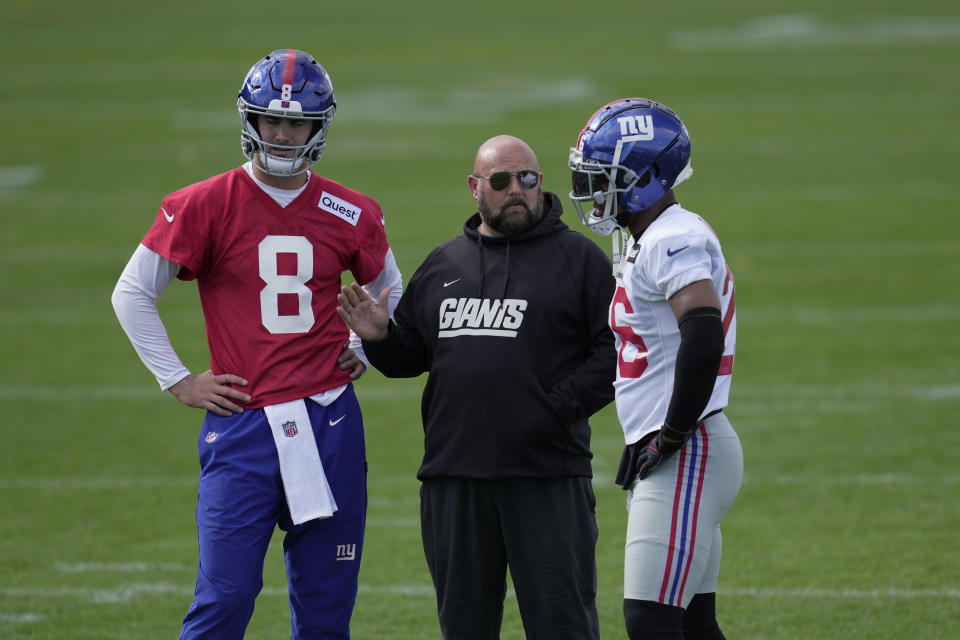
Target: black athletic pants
545 529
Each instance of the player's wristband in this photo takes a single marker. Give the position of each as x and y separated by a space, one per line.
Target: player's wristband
676 434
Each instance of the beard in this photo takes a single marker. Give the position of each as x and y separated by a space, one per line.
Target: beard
511 224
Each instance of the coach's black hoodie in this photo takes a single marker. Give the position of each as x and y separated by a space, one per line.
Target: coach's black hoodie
514 333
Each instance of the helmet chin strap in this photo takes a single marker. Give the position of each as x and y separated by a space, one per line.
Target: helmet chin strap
617 238
278 166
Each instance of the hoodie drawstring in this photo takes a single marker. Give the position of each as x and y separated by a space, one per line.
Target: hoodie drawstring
480 248
506 277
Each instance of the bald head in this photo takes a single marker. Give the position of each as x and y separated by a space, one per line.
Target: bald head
511 207
502 150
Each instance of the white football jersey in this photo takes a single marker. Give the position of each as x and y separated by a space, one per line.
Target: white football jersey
677 249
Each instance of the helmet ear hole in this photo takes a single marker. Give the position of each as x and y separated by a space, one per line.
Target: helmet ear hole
656 169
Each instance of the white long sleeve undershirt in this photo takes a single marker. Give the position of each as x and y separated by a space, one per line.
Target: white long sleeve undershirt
145 277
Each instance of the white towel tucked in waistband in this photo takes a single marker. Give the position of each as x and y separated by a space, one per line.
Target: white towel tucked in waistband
306 487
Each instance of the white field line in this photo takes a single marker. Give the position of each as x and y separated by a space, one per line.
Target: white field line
862 479
393 523
122 593
15 618
415 105
95 483
840 392
806 395
810 412
58 318
601 479
809 30
389 502
844 252
98 483
46 254
12 178
65 253
892 593
121 567
799 315
93 393
832 316
98 393
127 592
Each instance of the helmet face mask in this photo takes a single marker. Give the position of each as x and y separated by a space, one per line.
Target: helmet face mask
591 188
285 84
630 153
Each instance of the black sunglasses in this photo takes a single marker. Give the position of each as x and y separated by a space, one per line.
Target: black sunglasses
501 179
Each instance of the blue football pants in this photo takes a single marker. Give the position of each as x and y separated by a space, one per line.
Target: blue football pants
241 501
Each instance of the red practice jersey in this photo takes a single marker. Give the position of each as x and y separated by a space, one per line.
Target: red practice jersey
268 276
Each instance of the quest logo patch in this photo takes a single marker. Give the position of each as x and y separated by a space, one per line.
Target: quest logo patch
340 208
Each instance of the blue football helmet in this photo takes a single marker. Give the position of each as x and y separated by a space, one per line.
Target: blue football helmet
286 84
630 153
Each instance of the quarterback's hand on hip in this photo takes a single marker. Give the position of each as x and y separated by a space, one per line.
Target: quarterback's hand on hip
350 361
657 450
210 392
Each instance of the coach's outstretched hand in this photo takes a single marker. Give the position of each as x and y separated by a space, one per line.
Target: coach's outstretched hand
656 451
367 317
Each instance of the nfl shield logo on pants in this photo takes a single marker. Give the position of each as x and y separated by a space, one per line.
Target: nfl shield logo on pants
290 428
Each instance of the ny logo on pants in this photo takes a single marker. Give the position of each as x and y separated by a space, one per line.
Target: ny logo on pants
346 552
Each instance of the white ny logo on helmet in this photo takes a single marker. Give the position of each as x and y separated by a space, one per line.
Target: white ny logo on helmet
637 127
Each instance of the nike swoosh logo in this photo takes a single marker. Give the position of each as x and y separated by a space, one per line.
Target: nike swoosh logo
671 253
334 423
166 215
447 284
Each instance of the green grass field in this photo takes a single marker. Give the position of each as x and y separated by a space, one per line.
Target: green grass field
825 145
